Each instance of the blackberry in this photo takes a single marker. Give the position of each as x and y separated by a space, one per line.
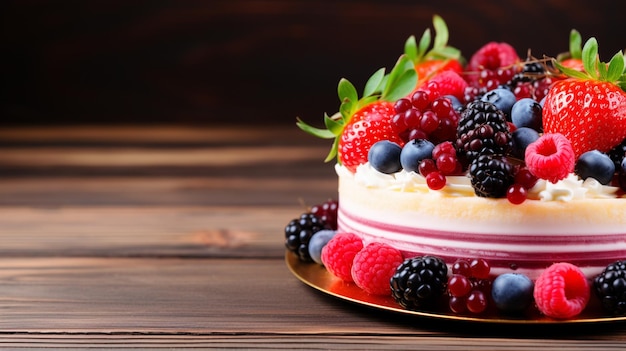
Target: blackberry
419 282
610 287
298 233
482 130
618 153
491 176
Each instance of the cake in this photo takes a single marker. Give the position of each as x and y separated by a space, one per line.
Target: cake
517 165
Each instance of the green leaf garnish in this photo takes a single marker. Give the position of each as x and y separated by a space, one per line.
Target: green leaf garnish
575 45
374 83
590 57
410 48
440 49
441 32
347 91
616 67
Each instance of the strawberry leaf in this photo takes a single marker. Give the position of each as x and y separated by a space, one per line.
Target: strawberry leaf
410 48
374 83
441 32
335 126
590 57
575 45
423 45
347 91
333 152
616 67
569 71
317 132
403 86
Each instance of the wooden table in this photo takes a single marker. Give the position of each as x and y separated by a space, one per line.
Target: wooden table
122 237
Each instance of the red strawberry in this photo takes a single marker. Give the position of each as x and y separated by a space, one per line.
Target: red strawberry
369 125
360 123
590 108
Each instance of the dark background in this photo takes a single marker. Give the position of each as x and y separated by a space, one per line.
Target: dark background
237 61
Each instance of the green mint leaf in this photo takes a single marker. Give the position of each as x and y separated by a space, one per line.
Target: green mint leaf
441 32
374 83
317 132
575 44
347 91
590 57
616 67
410 48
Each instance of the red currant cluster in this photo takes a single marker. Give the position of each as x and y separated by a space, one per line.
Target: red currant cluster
469 286
535 90
425 115
443 163
327 212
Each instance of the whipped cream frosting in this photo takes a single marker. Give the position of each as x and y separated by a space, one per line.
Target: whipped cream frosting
568 189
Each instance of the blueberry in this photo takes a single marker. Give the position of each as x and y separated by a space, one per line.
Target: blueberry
597 165
414 152
527 113
318 241
456 103
512 292
384 156
522 137
504 99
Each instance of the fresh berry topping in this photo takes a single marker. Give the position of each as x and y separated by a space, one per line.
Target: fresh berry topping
610 287
384 156
414 152
524 178
597 165
476 301
419 282
426 166
435 180
374 266
522 137
590 108
299 231
491 176
516 194
338 254
318 241
448 83
527 113
368 126
482 130
618 153
327 212
459 285
561 291
551 157
503 99
492 65
512 292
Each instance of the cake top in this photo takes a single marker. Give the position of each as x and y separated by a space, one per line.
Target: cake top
502 121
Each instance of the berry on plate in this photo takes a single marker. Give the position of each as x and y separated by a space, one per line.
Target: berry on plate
338 254
419 281
318 241
610 287
561 291
590 107
374 265
512 292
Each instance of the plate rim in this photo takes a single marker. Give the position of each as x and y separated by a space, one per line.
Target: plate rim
298 269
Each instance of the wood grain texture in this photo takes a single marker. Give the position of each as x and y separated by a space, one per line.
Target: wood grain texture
117 237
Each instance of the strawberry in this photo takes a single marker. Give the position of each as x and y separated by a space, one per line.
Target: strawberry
440 58
360 123
589 108
369 125
573 58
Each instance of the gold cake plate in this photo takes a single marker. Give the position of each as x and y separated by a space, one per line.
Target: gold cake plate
317 277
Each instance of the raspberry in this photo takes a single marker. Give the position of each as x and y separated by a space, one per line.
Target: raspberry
373 266
338 254
448 83
561 291
551 157
492 56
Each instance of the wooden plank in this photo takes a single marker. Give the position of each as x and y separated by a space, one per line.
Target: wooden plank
122 299
145 232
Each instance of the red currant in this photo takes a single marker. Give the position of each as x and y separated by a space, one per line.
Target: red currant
476 301
480 268
435 180
459 285
516 194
